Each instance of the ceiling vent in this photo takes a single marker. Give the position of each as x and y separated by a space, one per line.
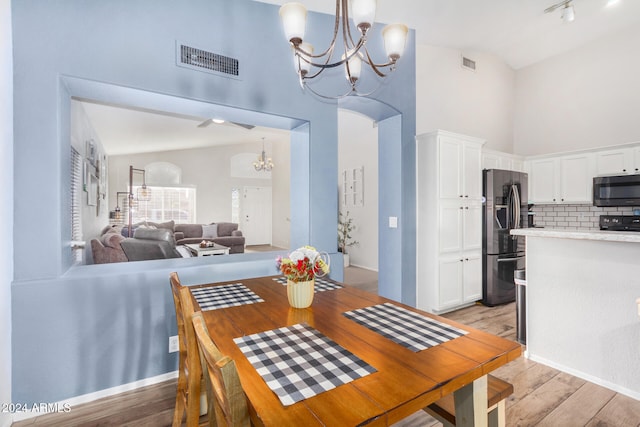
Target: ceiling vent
468 64
202 60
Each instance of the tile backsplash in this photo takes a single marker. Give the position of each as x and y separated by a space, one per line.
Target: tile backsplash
574 217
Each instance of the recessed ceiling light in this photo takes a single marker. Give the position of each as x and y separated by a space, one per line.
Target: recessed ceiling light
612 2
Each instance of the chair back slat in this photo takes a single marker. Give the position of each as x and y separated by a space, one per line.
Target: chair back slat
189 366
224 390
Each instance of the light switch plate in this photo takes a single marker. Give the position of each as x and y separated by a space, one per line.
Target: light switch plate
393 222
174 345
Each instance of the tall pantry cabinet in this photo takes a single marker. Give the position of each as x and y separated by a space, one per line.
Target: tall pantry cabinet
449 226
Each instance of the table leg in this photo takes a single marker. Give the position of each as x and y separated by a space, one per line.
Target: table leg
471 404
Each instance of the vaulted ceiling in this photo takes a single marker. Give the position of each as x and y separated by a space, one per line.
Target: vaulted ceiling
518 31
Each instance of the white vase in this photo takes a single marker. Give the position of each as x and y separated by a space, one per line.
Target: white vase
300 294
345 258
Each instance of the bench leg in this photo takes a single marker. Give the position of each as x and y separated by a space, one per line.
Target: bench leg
498 415
471 404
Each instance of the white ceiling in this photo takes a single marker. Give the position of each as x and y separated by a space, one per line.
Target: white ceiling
518 31
124 130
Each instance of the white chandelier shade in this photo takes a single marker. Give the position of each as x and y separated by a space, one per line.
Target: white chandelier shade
363 13
310 65
294 21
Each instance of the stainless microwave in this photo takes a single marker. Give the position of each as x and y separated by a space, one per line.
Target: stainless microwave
622 190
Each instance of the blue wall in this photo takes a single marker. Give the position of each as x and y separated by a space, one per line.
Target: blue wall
77 330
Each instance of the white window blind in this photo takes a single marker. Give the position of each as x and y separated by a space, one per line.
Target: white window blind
76 191
167 203
235 205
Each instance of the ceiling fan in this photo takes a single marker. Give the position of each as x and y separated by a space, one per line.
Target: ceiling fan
568 14
221 122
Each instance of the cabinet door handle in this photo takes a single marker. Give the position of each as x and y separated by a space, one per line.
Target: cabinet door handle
466 195
461 195
466 259
461 207
466 207
624 170
461 260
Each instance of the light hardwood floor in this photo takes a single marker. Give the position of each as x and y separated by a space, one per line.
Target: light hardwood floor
543 396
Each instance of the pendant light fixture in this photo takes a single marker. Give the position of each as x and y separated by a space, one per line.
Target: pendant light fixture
144 195
263 163
362 12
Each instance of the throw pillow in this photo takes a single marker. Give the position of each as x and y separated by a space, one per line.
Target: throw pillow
210 231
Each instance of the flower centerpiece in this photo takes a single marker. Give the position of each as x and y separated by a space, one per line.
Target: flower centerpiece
301 268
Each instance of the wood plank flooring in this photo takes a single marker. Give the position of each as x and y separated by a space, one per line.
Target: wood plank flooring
543 396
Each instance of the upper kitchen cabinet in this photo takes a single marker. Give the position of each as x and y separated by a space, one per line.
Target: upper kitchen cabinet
459 165
499 160
562 179
620 161
542 180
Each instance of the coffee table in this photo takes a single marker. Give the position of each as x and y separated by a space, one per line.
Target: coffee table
216 249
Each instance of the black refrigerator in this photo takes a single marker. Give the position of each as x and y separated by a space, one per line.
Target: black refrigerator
504 208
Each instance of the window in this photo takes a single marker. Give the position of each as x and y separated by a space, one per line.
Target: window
235 205
76 190
166 204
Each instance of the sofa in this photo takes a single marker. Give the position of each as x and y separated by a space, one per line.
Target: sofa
222 233
146 244
150 243
106 248
161 240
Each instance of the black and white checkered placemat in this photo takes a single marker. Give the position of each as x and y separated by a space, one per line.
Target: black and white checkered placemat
298 362
405 327
321 285
214 297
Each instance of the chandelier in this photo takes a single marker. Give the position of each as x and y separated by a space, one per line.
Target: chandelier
362 12
263 163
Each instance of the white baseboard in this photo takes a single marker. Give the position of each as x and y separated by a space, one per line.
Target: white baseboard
363 267
587 377
5 419
90 397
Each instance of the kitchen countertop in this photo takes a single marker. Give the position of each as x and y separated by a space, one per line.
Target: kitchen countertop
558 233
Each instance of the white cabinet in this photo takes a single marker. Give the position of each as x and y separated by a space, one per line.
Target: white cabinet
576 178
460 225
562 179
542 181
459 162
459 280
449 229
619 161
499 160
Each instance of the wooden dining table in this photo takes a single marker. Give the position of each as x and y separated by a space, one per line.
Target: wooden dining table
404 381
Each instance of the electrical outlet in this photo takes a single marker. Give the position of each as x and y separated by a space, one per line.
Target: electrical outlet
174 345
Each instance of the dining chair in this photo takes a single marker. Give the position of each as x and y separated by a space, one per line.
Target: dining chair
224 391
190 378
